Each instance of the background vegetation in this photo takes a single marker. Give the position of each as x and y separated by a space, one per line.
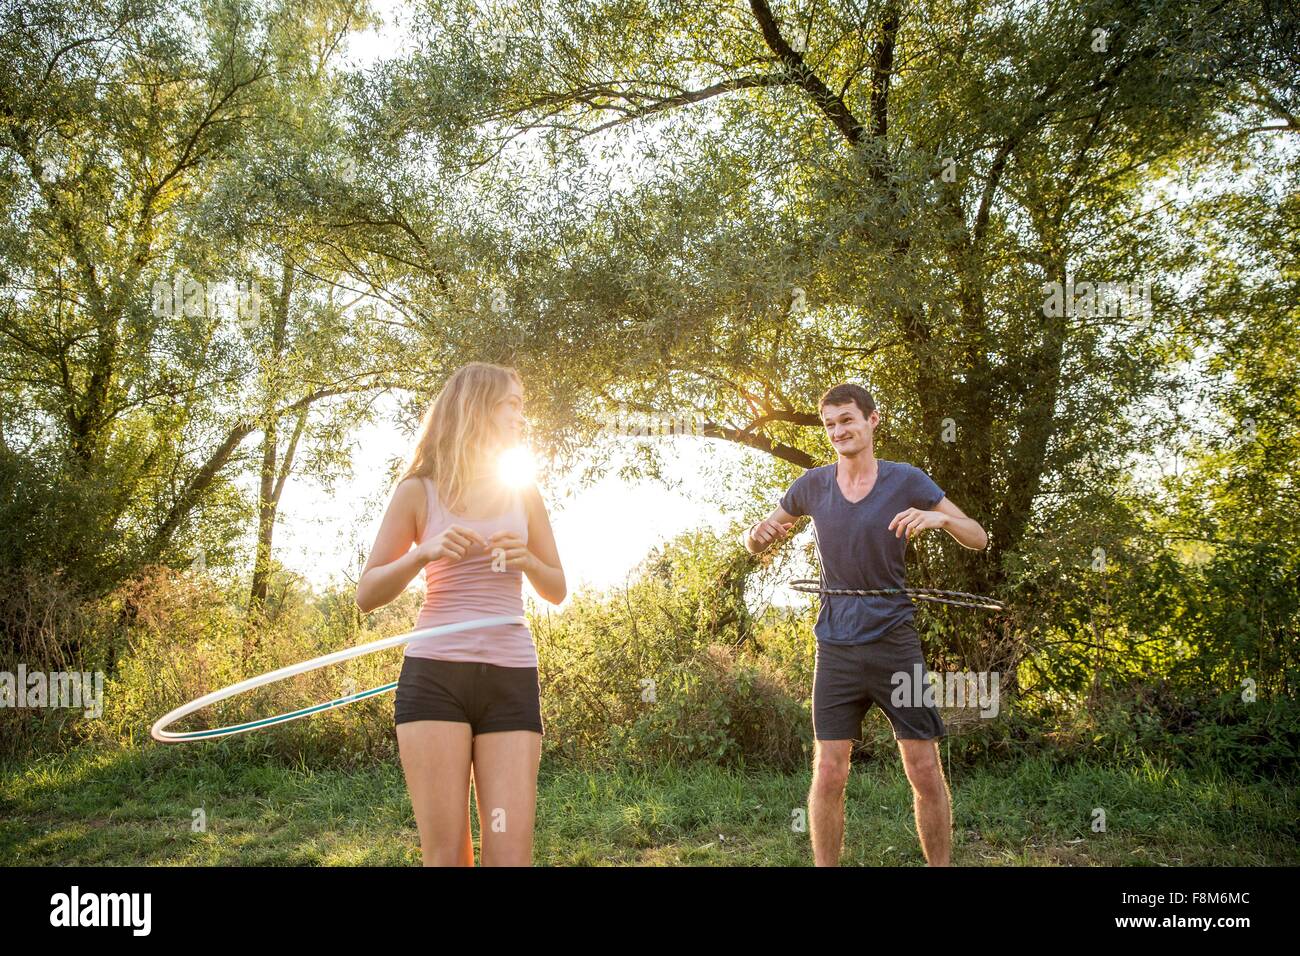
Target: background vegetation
705 211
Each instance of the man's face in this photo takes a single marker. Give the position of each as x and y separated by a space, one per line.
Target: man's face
849 432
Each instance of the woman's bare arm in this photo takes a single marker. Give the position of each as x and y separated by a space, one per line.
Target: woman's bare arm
393 562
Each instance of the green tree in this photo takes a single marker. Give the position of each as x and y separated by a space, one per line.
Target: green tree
742 206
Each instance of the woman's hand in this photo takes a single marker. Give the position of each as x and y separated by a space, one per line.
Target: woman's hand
509 553
453 543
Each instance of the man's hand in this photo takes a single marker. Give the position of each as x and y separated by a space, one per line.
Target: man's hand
769 530
914 520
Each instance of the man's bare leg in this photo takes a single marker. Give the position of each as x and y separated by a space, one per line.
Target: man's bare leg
932 802
826 799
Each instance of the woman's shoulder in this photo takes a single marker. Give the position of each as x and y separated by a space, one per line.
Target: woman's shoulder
412 486
413 493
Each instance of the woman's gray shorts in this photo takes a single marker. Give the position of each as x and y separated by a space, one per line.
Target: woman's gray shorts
849 678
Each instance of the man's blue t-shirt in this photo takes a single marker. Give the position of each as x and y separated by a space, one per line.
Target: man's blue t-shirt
857 549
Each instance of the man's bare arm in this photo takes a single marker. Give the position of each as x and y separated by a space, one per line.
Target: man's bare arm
762 535
965 531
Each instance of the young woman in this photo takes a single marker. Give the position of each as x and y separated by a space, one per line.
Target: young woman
468 703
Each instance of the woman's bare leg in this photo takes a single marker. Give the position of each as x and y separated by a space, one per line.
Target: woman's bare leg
436 758
505 787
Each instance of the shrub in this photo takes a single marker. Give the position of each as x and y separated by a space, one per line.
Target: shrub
47 625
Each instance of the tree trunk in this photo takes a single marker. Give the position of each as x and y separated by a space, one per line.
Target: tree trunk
268 495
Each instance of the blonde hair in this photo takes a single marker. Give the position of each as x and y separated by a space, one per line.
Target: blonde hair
454 435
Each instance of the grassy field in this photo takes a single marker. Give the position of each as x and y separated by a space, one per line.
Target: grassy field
136 807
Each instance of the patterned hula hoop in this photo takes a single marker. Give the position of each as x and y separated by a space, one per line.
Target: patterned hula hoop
957 598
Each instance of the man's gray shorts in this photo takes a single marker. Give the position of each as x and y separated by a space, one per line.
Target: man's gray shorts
849 678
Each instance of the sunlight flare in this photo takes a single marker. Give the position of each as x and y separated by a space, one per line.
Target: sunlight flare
516 467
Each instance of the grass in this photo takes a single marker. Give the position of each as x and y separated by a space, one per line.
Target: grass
92 806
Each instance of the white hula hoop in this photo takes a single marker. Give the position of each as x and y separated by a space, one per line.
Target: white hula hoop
159 733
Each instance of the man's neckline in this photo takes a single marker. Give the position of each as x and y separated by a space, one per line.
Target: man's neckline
835 478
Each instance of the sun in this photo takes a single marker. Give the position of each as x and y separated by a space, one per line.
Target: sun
516 467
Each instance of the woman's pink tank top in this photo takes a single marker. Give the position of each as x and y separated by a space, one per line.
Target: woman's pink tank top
469 588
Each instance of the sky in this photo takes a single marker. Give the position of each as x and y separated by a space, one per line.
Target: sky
368 47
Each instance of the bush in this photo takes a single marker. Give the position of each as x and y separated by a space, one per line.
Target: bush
1123 722
668 670
665 671
188 638
47 625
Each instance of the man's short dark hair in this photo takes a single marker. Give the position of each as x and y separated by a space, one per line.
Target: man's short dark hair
848 392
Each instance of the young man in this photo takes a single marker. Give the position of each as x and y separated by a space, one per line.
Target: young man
864 511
